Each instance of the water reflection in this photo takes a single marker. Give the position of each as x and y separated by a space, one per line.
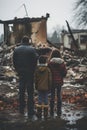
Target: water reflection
72 114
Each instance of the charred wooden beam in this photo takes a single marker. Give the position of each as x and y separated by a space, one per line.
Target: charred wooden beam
70 31
24 20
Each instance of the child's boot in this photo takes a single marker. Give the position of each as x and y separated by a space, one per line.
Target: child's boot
39 111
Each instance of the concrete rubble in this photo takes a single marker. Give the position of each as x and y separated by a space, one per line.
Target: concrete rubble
74 90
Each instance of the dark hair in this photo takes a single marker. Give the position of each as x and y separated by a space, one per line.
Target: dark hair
56 53
25 39
42 59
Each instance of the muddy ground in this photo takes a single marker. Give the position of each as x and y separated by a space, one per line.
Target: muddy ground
14 122
74 117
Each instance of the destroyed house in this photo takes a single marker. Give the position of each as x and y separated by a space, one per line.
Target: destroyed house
35 28
80 37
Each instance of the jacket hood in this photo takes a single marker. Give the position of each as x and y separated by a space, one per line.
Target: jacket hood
42 67
57 60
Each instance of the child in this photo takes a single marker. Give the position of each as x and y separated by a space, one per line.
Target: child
58 69
43 83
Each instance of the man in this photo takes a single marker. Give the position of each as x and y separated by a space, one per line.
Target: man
25 61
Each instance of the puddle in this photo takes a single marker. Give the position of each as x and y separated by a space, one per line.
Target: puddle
72 114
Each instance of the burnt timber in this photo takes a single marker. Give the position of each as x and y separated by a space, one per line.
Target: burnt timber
35 28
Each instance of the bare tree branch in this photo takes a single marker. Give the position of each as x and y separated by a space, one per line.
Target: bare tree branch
80 12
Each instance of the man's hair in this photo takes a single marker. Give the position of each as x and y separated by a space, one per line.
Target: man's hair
42 59
25 39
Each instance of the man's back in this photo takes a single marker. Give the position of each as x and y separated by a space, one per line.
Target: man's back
24 58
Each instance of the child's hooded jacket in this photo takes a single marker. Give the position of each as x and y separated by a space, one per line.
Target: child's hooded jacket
58 70
43 78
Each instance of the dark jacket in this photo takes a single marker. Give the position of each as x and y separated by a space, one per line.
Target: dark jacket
43 78
24 59
58 70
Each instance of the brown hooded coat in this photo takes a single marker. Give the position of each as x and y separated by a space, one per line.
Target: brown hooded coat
43 78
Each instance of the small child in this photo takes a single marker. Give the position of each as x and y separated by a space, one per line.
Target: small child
59 71
43 82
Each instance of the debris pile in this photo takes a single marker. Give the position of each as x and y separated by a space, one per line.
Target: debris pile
74 88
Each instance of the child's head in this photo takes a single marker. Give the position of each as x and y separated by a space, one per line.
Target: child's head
56 54
42 59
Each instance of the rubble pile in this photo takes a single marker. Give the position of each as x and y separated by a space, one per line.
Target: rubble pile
74 88
75 83
8 79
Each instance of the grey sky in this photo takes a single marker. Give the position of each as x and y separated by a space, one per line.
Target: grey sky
59 10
